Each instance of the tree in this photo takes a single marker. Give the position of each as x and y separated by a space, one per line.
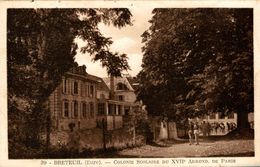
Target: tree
41 49
227 80
194 61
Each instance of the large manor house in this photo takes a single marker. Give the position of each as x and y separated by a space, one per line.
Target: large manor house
89 102
86 100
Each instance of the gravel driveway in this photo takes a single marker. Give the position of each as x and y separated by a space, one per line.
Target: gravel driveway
204 149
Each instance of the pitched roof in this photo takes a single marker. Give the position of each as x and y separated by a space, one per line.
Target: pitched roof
101 84
107 82
133 82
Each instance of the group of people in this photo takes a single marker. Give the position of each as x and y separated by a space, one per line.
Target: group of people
216 128
207 129
222 127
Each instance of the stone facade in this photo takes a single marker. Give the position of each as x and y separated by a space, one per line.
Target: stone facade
85 100
74 101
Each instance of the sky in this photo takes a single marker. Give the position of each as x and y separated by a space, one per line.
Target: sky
126 40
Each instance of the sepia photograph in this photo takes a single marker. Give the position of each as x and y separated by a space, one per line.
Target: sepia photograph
129 83
112 82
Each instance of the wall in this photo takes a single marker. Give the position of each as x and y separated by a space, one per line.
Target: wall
172 128
87 123
155 125
106 93
130 96
112 121
93 138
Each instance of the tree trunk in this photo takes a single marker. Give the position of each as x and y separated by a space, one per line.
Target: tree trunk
243 130
48 129
134 135
104 133
112 88
242 121
33 130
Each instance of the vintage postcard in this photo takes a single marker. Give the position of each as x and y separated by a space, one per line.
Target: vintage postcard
129 83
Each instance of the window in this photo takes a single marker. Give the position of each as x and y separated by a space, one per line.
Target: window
119 110
127 110
84 110
91 106
75 109
82 89
66 109
91 91
86 90
101 108
121 98
75 87
65 85
111 109
121 86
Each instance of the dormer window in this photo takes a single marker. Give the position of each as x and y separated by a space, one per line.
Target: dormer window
121 86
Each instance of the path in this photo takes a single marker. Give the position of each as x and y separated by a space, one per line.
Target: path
204 149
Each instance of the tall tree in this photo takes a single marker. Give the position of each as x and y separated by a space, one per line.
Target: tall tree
41 49
195 60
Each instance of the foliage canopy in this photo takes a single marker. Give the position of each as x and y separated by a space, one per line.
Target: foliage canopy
198 61
41 48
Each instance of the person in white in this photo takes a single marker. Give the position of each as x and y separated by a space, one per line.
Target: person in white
163 131
196 132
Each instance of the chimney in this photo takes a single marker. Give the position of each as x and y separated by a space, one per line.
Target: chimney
112 88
